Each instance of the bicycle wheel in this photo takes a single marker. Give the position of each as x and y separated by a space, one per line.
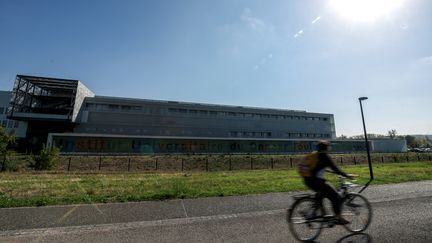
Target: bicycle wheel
357 210
304 220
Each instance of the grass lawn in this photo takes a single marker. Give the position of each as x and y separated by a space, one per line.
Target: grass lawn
38 189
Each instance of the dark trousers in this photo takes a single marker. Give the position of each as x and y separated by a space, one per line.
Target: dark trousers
324 189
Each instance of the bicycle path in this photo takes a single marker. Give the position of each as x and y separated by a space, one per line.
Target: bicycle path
27 218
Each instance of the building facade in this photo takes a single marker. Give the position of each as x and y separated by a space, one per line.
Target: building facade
64 113
124 116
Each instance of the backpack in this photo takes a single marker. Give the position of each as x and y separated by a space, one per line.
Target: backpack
308 164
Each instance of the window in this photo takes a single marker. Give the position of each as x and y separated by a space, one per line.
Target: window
101 107
126 107
213 113
4 123
10 123
113 107
2 110
172 110
90 106
203 112
182 110
193 112
233 134
16 124
231 113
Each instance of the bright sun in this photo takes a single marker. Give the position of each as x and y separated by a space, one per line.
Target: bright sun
365 10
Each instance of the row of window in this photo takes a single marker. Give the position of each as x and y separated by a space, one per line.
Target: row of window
113 107
243 114
249 134
256 134
269 134
140 131
307 135
194 112
9 123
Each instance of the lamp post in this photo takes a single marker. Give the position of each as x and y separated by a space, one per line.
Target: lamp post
366 139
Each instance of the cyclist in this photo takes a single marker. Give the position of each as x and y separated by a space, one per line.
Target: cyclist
315 179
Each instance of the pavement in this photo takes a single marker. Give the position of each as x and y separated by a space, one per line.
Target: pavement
15 221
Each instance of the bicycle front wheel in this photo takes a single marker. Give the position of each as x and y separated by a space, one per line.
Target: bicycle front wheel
357 210
304 220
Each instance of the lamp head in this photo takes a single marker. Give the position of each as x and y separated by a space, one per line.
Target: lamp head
363 98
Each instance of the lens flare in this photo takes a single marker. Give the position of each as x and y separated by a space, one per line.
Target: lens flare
365 10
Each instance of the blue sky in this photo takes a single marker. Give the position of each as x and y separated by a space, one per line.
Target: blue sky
302 55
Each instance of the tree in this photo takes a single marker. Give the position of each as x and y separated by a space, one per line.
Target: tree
392 133
342 137
47 159
411 141
5 141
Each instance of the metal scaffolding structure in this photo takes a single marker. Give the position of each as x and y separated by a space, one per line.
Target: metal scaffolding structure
34 98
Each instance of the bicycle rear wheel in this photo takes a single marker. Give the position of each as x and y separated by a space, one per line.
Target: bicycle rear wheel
305 220
357 210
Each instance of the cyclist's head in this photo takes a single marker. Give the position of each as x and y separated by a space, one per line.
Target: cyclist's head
323 145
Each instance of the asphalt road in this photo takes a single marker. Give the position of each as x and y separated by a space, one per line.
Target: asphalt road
402 213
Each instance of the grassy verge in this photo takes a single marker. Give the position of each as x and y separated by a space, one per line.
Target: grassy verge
37 189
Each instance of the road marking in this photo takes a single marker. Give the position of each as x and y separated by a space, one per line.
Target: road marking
184 209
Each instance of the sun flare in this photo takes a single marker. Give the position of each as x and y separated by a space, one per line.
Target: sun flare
365 10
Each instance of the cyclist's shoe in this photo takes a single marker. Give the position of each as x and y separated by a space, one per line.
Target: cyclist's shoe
342 221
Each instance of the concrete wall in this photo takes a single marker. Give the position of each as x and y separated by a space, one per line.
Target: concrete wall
81 94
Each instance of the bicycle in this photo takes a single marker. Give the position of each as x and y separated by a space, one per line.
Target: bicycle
311 215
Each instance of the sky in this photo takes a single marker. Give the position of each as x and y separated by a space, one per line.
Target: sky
313 55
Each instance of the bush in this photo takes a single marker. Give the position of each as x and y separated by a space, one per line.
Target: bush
48 159
10 163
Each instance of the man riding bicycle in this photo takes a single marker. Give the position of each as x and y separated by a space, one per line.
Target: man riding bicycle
313 170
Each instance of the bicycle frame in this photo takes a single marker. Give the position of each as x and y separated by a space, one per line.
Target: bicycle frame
329 221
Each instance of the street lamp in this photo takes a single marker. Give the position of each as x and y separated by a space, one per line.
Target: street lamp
366 141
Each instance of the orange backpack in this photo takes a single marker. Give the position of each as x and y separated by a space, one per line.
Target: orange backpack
308 164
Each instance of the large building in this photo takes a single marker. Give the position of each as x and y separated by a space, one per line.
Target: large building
65 113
